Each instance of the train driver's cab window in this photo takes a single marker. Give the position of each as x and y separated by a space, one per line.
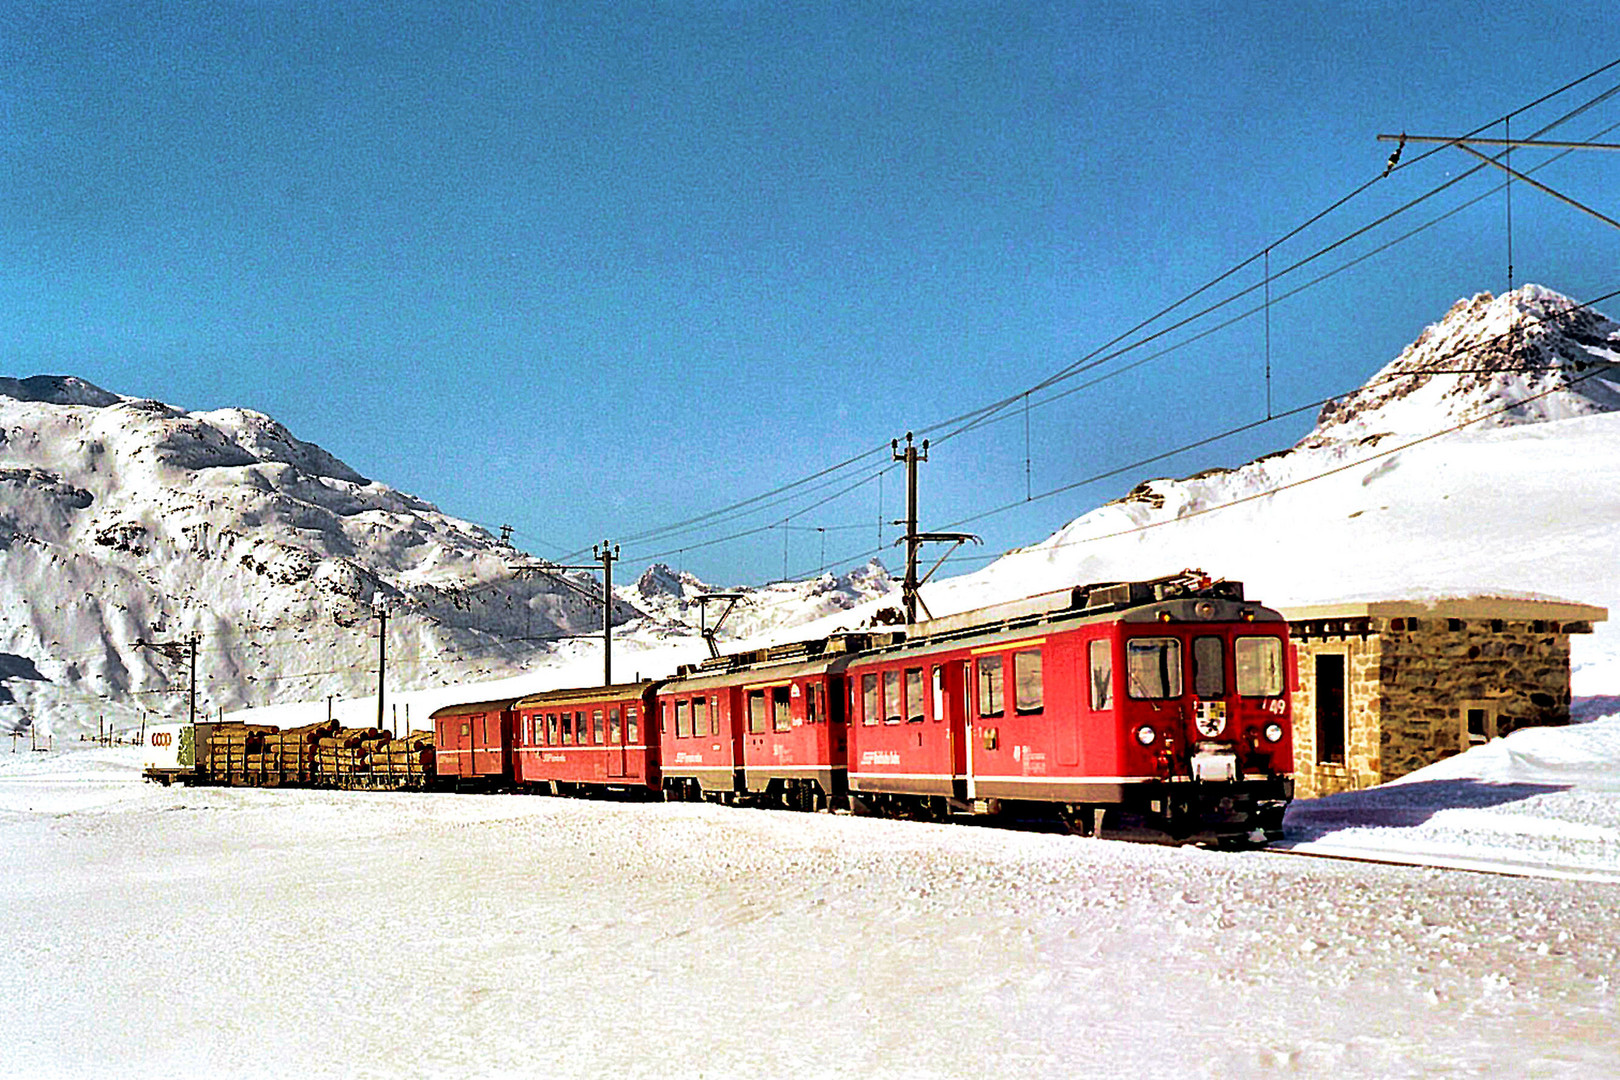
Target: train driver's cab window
781 708
1029 691
1209 667
1259 666
811 713
1102 675
1153 668
870 707
756 712
466 730
700 716
990 686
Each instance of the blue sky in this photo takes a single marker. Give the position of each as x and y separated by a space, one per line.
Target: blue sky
592 269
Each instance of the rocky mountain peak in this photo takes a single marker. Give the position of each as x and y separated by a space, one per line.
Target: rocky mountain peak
1523 357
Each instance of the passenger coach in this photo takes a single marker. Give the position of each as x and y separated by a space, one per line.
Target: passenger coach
593 739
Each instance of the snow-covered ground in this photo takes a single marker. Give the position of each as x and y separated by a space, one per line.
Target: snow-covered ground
215 932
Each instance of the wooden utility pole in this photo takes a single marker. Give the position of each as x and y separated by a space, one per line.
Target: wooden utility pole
185 649
911 587
606 554
382 659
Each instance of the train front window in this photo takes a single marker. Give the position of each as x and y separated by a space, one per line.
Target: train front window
1153 668
1102 675
1029 689
990 686
1259 666
1209 667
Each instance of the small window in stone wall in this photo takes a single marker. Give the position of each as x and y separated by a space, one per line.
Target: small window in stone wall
1478 722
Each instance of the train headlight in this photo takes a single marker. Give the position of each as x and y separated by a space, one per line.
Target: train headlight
1274 732
1145 735
1204 610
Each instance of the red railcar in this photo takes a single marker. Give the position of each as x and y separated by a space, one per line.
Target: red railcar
765 726
595 738
473 743
1162 704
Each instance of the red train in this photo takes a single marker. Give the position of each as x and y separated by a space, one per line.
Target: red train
1160 706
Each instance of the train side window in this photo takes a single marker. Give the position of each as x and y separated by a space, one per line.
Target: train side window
596 726
1029 686
914 696
466 730
551 728
870 708
632 728
1153 668
781 708
1259 666
811 713
682 728
939 693
1209 667
700 717
567 728
663 719
756 712
990 688
892 705
614 731
1102 675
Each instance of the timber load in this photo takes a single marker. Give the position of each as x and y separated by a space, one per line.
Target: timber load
316 755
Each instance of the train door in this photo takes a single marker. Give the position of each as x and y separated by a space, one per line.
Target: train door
950 694
615 749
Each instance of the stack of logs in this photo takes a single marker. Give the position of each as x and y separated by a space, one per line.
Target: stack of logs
317 755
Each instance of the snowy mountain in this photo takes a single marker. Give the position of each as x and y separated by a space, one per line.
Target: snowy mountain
1524 357
672 599
126 521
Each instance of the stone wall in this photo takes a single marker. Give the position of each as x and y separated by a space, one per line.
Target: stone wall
1409 682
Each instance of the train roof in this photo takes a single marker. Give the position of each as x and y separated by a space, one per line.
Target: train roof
497 705
614 692
767 674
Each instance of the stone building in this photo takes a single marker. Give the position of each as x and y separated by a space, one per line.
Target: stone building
1387 687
